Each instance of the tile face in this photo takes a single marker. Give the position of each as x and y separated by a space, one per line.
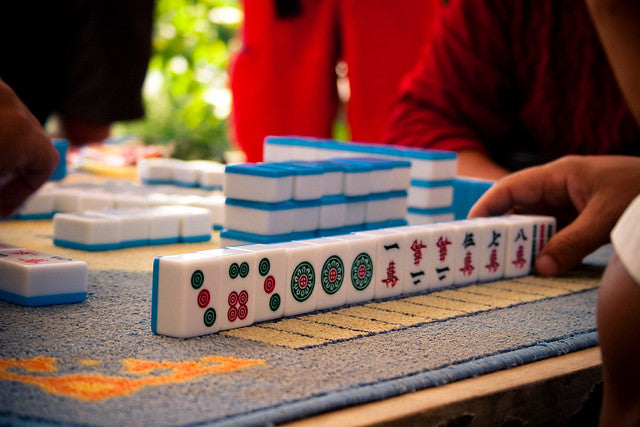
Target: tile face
259 218
186 297
86 231
519 246
444 242
237 284
302 278
32 278
270 265
418 259
544 227
258 183
467 253
389 266
134 225
195 224
430 194
164 227
492 241
359 267
332 276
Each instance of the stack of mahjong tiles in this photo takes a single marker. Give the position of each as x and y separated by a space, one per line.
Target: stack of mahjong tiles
204 292
433 172
204 174
32 278
109 229
283 201
80 197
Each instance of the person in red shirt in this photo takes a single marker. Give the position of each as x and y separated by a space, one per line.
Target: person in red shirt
283 79
596 198
513 83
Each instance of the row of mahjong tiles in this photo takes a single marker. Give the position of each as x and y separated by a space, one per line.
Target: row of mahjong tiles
109 229
80 197
429 164
204 292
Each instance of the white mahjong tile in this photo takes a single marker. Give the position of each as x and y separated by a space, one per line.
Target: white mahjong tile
443 241
134 225
544 227
301 285
306 215
418 259
467 252
33 278
493 243
332 212
86 231
186 174
211 175
237 282
390 277
258 183
332 275
519 246
356 210
164 227
259 218
430 194
68 199
401 176
156 170
270 265
432 165
95 200
359 267
187 297
41 202
195 223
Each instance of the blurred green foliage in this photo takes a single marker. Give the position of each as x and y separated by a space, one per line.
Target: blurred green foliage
186 93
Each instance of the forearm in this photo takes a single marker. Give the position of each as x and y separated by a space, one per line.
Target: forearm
617 23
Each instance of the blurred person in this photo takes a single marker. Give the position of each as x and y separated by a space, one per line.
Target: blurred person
283 80
84 61
514 83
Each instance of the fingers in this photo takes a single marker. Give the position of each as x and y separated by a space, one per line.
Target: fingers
585 234
527 189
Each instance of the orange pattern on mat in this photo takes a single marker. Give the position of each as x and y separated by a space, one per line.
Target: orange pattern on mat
94 387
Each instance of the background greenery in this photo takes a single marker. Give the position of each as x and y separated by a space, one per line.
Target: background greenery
186 93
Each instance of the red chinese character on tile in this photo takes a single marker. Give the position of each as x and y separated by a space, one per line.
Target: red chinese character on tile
32 260
442 243
23 252
519 262
417 248
468 266
391 280
493 261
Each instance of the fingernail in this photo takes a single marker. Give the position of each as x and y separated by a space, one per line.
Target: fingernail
546 266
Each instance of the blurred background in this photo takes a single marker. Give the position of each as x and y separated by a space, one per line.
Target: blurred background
186 91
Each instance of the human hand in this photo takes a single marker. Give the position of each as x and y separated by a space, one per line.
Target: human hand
586 194
27 156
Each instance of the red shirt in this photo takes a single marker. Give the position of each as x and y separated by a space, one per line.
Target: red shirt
524 81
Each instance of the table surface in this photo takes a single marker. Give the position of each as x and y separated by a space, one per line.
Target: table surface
543 392
546 392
